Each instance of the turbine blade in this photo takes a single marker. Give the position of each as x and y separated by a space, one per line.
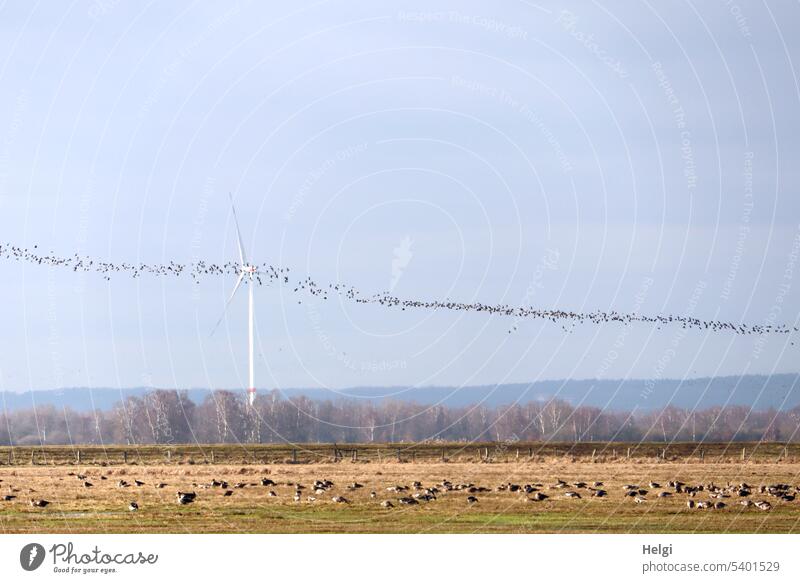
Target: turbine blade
228 303
242 255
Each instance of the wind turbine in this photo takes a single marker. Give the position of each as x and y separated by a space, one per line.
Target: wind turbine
246 271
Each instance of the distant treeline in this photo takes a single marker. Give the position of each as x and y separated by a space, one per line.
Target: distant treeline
171 417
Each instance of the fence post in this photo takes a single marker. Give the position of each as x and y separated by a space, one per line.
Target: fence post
33 457
169 455
702 455
530 452
442 454
398 454
10 458
124 457
486 453
629 453
355 455
594 451
664 454
743 453
294 456
213 457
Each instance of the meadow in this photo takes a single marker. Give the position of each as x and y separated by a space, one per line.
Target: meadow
248 489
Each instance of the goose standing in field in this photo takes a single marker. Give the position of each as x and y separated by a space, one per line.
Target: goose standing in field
133 507
227 493
471 499
571 494
41 503
408 500
87 484
340 500
539 497
186 497
424 496
138 482
387 504
8 497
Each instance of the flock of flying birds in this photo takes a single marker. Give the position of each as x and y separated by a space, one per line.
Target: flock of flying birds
266 274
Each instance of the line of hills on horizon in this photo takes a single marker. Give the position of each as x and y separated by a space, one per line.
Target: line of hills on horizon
758 392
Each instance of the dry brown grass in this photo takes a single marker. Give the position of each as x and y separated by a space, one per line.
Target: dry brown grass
103 508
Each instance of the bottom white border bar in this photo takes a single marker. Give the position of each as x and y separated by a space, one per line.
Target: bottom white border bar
401 558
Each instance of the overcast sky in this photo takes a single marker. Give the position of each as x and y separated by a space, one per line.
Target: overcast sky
632 156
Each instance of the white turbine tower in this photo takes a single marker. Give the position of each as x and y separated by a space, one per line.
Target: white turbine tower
246 271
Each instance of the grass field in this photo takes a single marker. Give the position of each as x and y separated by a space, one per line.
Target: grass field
103 507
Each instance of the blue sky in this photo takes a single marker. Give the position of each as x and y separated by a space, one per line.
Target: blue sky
631 156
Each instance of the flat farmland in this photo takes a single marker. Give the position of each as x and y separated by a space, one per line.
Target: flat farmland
259 492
